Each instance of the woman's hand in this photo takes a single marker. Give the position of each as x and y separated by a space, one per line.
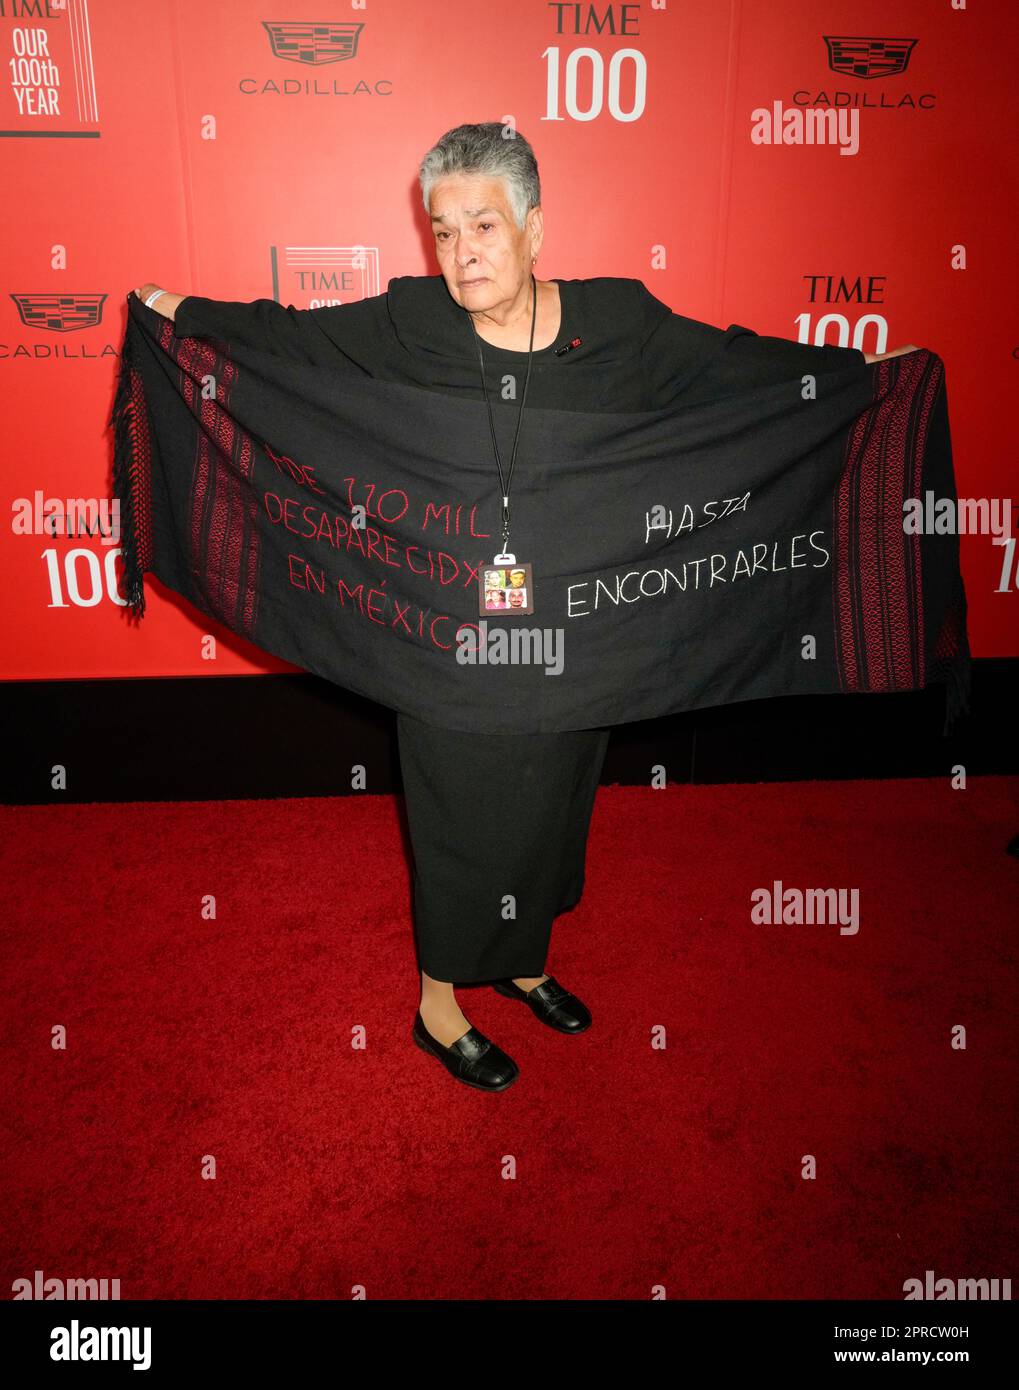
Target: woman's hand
167 302
895 352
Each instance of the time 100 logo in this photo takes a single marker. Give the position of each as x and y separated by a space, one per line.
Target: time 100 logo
79 579
626 68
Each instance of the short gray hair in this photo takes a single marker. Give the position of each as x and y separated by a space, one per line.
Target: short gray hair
489 148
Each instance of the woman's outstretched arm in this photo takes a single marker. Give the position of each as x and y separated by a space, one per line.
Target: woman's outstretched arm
335 335
167 302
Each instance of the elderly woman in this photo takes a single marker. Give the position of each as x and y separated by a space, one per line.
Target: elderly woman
603 344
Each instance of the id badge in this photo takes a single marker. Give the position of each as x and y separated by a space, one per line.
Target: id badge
505 587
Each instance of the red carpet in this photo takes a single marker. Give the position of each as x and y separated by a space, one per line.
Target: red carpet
634 1167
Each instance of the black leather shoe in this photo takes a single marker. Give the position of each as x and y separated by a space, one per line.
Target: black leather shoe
551 1003
472 1059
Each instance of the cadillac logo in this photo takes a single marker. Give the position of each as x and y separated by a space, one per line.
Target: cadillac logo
868 57
313 44
60 313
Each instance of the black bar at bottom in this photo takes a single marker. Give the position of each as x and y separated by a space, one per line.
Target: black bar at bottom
316 1342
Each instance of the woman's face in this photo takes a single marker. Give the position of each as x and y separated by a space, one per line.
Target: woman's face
483 255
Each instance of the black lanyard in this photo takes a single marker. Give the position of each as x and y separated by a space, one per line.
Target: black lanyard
505 483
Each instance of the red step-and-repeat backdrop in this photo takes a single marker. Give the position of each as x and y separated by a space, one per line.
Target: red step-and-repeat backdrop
827 170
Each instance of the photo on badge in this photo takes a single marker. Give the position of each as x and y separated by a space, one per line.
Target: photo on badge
506 590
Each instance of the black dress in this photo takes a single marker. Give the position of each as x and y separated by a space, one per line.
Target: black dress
499 822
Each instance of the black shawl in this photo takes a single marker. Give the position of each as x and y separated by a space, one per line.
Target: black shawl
745 547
